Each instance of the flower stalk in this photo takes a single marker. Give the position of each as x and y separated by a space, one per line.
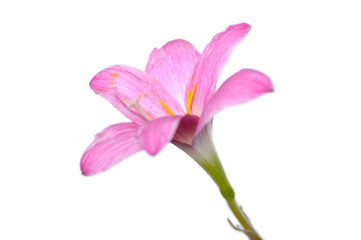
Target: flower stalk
218 175
203 151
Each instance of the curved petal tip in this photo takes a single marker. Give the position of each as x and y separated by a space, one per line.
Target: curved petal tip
110 146
241 87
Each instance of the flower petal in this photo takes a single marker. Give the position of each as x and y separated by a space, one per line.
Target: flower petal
241 87
122 85
110 146
158 133
211 63
173 66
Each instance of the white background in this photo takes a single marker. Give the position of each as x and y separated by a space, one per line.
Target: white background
293 156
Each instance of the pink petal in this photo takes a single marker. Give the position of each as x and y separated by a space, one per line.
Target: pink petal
122 84
211 63
158 133
110 146
241 87
173 65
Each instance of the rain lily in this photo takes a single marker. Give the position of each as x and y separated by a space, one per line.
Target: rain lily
174 100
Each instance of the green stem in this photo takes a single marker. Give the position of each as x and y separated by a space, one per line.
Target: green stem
210 162
243 220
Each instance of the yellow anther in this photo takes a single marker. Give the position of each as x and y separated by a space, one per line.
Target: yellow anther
114 75
190 98
165 107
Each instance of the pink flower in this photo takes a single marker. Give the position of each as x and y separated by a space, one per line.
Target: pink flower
173 100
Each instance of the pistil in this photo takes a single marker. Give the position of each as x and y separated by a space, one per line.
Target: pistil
136 106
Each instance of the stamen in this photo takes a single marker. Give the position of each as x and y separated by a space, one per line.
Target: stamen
165 107
137 107
190 98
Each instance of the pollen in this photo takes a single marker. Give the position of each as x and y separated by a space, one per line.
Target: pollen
114 75
190 98
165 107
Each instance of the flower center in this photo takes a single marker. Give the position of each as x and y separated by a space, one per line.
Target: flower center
189 102
136 105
